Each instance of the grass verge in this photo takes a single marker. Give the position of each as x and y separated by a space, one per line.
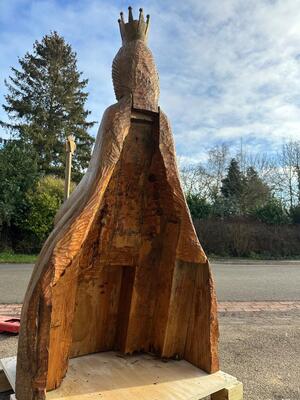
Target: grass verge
7 257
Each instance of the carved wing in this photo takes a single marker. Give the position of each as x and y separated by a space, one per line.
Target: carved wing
46 292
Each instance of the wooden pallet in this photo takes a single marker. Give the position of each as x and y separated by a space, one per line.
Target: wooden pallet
4 384
111 376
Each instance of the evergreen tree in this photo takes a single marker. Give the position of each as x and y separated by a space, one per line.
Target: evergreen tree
256 191
273 212
233 183
46 103
198 206
18 173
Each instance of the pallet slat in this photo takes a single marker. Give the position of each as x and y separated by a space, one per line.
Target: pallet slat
110 376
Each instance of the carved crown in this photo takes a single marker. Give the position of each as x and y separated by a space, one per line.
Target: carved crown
134 29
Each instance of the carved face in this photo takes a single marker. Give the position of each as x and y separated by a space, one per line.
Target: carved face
134 72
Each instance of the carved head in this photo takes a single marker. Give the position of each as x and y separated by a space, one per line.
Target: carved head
133 70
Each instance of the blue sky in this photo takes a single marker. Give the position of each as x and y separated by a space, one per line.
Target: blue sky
228 69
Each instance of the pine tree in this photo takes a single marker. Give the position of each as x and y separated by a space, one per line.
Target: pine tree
233 183
256 192
232 189
46 103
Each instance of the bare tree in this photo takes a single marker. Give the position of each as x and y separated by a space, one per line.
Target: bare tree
280 172
289 171
196 180
218 160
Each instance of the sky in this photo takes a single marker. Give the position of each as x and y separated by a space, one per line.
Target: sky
229 69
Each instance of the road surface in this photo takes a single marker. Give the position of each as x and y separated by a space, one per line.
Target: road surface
235 281
257 281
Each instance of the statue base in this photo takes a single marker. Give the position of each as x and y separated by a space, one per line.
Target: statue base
113 376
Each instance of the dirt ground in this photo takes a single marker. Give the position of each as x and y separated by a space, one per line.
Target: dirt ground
261 349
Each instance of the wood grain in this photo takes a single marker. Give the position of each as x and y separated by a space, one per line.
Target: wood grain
139 377
123 268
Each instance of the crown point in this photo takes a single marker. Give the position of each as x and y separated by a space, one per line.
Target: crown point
148 17
130 16
141 16
133 29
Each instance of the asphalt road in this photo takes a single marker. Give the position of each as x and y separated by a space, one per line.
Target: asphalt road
14 279
235 281
257 281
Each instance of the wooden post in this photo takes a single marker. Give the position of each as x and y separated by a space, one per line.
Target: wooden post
70 149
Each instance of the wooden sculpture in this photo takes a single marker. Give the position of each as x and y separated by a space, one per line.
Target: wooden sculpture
123 268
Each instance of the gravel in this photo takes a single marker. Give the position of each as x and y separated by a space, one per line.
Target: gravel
263 351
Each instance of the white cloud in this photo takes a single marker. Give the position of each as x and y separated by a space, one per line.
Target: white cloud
228 69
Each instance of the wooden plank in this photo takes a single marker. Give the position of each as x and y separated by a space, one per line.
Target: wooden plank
9 368
233 392
95 320
201 348
4 383
112 377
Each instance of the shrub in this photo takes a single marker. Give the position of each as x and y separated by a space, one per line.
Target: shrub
246 237
295 214
273 212
199 207
43 202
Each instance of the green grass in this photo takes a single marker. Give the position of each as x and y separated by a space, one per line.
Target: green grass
8 257
253 257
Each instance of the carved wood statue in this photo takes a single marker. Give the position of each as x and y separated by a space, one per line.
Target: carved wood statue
122 269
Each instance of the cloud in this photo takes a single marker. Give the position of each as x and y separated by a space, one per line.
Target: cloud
228 70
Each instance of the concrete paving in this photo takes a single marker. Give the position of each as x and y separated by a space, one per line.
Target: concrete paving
236 280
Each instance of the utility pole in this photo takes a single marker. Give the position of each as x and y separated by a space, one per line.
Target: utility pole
70 149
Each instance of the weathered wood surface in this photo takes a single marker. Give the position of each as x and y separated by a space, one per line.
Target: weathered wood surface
123 268
111 376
